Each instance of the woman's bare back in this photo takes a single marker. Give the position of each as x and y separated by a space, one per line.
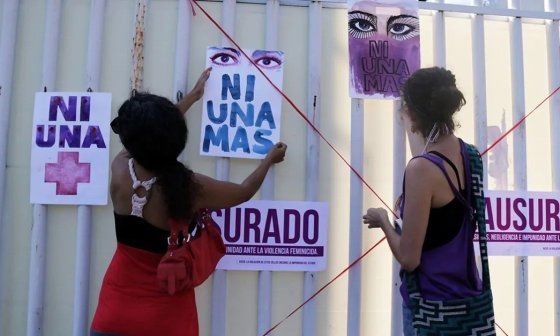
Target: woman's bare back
155 210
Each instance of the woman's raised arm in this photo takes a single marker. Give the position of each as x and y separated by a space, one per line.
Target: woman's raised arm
217 194
196 93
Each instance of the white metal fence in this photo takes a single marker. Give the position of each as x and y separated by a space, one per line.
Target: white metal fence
477 13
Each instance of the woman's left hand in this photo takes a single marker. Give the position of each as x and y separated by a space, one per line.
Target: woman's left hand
376 218
198 90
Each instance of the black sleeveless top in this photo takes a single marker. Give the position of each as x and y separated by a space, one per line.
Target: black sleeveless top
137 232
444 222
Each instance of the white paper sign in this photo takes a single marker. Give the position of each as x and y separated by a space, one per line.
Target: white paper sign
70 148
274 236
522 223
241 110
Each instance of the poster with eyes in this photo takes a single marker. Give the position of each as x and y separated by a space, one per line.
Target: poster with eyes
241 110
384 44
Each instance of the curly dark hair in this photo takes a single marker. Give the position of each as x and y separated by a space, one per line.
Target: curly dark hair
432 97
154 132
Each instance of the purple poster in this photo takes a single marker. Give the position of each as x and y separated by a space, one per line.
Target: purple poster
274 236
522 223
384 44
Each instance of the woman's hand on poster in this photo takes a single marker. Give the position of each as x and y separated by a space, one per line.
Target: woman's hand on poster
277 153
198 90
376 218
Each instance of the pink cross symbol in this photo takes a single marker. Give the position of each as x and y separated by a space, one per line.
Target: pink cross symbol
67 173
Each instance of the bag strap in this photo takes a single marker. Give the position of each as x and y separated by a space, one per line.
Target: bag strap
202 218
178 226
478 204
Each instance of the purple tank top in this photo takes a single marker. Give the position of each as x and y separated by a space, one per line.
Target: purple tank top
449 271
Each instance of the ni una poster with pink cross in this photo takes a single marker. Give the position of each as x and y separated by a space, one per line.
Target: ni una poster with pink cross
70 148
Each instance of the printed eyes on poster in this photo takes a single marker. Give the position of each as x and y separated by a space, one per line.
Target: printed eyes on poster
384 46
274 236
522 223
70 148
241 110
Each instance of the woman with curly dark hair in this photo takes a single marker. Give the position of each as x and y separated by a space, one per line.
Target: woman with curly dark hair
167 243
435 249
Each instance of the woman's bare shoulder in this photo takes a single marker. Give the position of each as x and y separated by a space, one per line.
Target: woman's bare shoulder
120 161
420 165
422 169
119 168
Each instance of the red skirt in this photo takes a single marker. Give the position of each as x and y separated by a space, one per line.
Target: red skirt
132 303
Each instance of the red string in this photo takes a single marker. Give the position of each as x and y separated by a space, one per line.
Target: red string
325 286
502 330
312 125
192 8
298 110
517 124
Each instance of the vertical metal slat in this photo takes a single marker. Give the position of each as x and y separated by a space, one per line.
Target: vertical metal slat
520 163
8 36
219 280
356 208
267 189
553 49
312 163
37 262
